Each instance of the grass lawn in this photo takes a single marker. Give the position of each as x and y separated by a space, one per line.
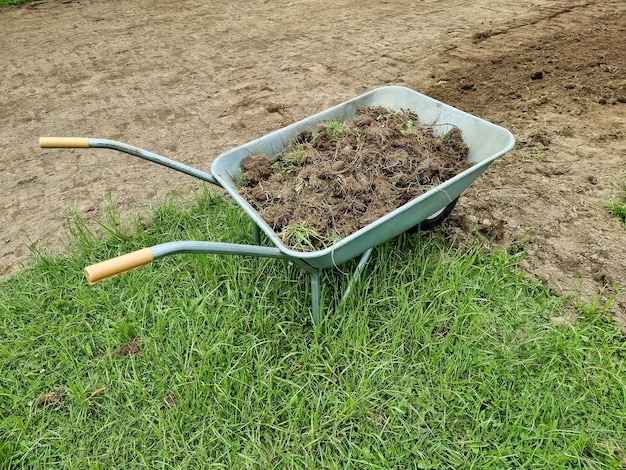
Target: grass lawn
442 357
4 3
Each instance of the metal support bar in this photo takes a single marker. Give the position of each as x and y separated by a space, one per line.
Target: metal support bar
316 296
357 273
218 248
152 157
256 234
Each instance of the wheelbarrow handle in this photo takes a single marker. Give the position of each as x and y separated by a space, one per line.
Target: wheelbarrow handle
112 267
63 142
136 259
92 142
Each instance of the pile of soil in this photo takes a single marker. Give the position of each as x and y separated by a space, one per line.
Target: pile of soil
332 180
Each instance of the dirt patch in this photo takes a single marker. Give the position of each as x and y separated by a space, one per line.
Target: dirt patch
551 71
169 400
52 399
335 179
561 91
130 348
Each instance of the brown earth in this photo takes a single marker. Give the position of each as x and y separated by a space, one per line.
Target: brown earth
336 178
192 79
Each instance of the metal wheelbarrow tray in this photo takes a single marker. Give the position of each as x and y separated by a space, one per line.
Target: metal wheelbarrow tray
486 142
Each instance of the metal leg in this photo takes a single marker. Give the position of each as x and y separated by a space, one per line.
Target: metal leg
316 288
357 273
316 296
256 234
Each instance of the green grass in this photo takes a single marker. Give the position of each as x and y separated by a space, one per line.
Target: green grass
441 357
335 129
289 161
301 236
5 3
618 208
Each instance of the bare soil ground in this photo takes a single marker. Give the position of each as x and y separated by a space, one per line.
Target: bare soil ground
192 79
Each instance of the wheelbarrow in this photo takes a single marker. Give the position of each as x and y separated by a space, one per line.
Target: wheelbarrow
486 142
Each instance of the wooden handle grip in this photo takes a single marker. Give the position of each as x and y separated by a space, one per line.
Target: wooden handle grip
64 142
106 269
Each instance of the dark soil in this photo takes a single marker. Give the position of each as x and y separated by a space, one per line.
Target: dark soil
339 177
131 348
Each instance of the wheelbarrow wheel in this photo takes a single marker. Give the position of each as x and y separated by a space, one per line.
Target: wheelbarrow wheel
434 220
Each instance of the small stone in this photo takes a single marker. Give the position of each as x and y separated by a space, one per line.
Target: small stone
338 165
468 86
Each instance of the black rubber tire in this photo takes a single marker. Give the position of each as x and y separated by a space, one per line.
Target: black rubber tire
435 220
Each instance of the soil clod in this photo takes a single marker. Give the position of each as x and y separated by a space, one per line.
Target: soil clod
131 348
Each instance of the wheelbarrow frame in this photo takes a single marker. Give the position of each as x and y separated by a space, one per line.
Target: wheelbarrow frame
486 142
